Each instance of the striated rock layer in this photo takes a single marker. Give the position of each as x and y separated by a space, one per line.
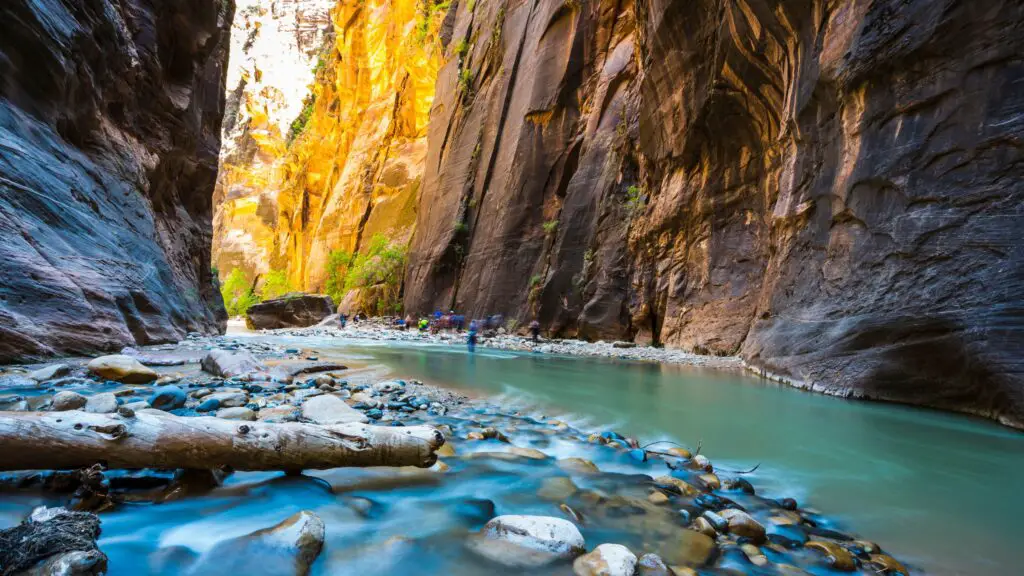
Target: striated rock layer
325 168
831 189
109 134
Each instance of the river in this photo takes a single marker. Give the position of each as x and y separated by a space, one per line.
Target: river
941 491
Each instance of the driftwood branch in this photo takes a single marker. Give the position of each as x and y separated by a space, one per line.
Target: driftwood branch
74 439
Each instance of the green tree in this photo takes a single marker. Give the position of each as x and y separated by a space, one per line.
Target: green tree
337 265
275 285
237 293
380 265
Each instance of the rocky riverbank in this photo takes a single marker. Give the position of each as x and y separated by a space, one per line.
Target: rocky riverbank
509 492
379 330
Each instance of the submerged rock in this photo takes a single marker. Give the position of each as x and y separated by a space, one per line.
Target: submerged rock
122 368
652 565
287 548
606 560
743 524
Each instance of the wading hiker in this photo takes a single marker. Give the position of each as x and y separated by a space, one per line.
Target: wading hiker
471 336
535 330
342 319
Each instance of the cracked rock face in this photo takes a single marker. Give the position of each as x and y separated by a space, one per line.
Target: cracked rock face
830 189
109 123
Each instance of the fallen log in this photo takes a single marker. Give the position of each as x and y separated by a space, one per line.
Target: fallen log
75 439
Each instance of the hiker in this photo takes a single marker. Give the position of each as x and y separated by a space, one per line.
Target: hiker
471 336
424 324
535 330
342 320
408 322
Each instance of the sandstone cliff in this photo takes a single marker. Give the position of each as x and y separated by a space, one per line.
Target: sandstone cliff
309 172
829 188
109 134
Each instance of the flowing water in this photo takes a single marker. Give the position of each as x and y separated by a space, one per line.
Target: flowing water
940 492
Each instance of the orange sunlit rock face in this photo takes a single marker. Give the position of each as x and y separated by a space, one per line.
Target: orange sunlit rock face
306 172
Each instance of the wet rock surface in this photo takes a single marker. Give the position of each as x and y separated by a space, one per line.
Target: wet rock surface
110 114
740 179
287 548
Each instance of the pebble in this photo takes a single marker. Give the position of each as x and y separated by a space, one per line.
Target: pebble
691 549
754 554
530 453
208 405
578 466
606 560
67 400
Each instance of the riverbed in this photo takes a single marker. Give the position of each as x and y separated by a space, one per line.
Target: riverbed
941 491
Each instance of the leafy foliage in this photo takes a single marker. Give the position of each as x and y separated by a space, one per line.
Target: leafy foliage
465 81
550 226
379 267
337 264
237 293
299 124
275 285
636 199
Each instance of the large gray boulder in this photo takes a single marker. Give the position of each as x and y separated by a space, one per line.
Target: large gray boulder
291 311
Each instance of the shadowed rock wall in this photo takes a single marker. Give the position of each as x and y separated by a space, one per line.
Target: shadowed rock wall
831 189
109 134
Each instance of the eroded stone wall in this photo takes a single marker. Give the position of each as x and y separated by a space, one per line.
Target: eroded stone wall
110 119
828 188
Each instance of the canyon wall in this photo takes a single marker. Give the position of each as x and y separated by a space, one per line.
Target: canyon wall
110 120
324 168
830 189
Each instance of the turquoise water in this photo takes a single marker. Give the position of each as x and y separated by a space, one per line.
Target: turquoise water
940 491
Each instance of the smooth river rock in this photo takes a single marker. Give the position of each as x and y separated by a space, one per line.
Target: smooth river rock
102 403
606 560
328 409
527 541
67 400
227 364
285 549
122 368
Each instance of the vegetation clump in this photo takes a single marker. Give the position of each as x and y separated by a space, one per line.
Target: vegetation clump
238 293
378 269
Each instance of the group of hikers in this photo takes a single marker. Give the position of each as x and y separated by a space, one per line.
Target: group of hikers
451 321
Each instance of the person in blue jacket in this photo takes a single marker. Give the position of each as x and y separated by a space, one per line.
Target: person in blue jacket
471 336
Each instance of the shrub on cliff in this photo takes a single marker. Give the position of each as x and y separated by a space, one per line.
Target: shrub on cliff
238 293
380 266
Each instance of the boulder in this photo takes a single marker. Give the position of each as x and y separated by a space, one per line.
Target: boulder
606 560
227 364
527 541
288 548
328 409
67 400
286 413
168 398
691 549
122 369
103 403
291 311
50 372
